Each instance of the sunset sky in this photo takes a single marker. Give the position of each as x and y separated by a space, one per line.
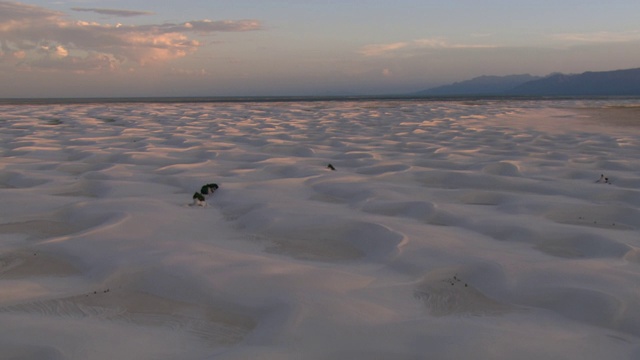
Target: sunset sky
116 48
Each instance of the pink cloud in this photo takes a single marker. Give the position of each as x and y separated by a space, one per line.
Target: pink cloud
85 46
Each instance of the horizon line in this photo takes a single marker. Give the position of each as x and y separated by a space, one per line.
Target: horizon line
285 98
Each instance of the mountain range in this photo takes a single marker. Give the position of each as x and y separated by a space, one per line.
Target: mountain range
602 83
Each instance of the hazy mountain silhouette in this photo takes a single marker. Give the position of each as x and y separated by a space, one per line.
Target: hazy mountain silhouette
618 82
482 85
603 83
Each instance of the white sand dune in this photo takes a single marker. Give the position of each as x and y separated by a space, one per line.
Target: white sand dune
448 230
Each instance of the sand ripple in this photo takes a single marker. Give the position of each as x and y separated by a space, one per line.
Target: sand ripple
143 309
486 211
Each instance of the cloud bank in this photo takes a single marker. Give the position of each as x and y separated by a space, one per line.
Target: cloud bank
33 37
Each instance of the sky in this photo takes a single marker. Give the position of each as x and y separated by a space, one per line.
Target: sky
113 48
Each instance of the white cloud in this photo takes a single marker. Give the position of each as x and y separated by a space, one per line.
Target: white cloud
53 51
598 37
381 49
399 48
48 39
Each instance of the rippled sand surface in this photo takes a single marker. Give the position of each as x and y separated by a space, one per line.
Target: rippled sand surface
448 229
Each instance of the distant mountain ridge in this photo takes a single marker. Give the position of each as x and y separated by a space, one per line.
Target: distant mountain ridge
482 85
603 83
